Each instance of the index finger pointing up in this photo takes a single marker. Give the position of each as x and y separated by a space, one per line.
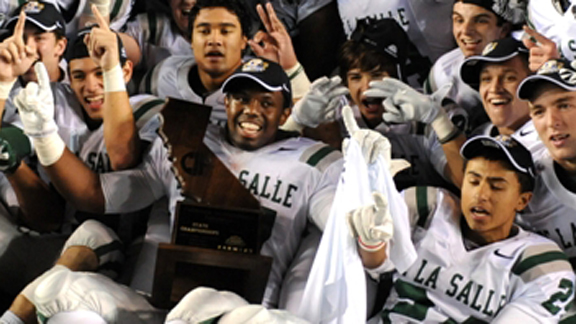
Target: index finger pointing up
102 23
19 28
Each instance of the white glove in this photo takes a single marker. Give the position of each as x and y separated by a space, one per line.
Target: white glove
372 224
404 104
36 108
319 104
372 143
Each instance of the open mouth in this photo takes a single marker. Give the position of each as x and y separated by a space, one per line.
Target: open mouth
95 102
249 129
479 212
214 54
373 105
499 102
559 139
469 42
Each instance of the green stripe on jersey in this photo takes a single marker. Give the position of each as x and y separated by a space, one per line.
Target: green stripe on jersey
148 79
319 155
116 9
469 320
21 2
417 309
153 27
146 107
422 205
537 260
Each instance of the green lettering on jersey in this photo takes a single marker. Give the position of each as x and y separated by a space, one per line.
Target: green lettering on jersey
465 292
431 281
241 176
254 185
474 305
487 311
454 285
287 202
417 278
264 193
416 310
565 244
275 198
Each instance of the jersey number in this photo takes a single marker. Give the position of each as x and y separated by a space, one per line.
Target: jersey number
568 288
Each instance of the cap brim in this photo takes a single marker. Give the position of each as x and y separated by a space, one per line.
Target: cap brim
476 144
12 22
472 67
528 86
227 84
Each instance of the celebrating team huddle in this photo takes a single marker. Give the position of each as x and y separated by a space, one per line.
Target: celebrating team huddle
417 175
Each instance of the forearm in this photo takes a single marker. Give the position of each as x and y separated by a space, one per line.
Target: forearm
372 260
454 169
41 208
120 133
77 183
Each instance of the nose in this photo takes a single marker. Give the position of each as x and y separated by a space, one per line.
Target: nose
468 27
215 38
553 118
364 83
482 191
496 85
252 107
93 83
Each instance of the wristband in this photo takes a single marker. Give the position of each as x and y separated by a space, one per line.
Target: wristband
444 128
5 88
49 149
298 81
114 79
371 247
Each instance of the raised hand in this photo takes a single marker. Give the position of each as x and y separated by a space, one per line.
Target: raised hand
371 142
542 49
276 42
318 106
372 224
36 105
16 57
102 43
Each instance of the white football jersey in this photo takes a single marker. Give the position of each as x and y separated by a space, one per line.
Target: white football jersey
550 21
295 177
449 283
428 24
169 78
526 135
157 38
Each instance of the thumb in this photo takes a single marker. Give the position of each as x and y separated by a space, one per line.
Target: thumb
441 93
256 48
380 201
349 120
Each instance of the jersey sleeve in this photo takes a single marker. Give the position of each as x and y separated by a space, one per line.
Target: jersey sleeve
131 190
146 110
425 202
543 284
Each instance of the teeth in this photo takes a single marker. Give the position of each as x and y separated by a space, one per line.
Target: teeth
250 126
477 210
467 42
559 137
498 101
97 98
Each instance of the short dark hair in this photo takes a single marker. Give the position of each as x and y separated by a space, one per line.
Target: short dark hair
356 55
234 6
494 154
501 21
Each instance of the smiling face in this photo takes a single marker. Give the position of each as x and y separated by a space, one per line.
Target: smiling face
491 195
474 27
357 82
88 86
498 85
254 115
217 42
553 111
180 11
49 49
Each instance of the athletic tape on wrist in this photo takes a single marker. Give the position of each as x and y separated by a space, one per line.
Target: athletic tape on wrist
5 88
49 149
114 79
291 125
444 128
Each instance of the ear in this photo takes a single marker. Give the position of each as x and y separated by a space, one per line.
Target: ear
506 29
523 201
244 42
127 70
61 46
285 114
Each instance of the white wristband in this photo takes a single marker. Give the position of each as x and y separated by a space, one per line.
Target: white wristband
298 81
443 126
5 88
114 80
49 149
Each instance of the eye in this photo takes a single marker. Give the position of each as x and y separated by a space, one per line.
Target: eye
457 19
482 20
78 76
536 112
511 78
564 105
354 77
485 78
266 104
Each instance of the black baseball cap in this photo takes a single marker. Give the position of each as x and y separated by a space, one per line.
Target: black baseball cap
518 156
512 11
559 72
386 37
77 49
42 14
266 73
495 52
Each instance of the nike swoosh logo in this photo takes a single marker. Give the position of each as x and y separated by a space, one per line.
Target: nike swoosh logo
523 133
497 252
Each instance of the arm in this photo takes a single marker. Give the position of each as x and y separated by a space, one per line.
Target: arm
132 48
120 133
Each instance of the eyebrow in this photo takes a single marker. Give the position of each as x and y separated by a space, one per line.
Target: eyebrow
490 179
75 71
222 24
